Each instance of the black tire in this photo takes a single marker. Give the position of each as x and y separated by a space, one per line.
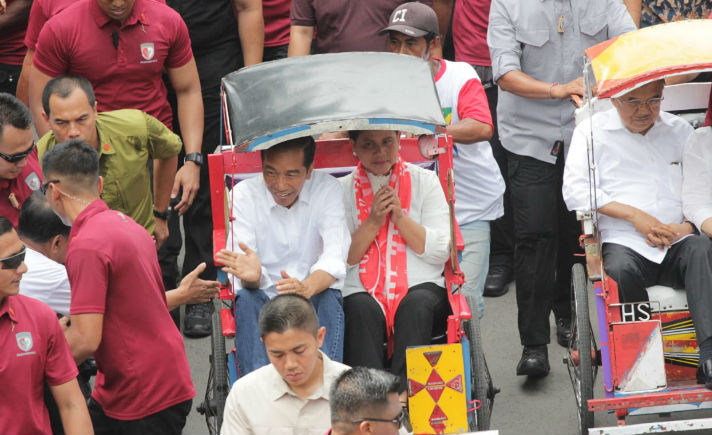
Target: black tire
482 386
218 383
582 340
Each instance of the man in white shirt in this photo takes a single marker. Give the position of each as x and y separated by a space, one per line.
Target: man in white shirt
291 394
292 237
638 152
697 179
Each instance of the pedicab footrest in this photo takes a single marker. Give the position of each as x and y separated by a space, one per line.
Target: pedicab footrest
695 394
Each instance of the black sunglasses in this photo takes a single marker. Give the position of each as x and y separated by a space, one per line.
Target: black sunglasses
14 261
14 158
44 187
400 420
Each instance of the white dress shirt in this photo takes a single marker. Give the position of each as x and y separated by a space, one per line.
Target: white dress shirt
308 236
697 177
261 402
428 208
47 281
642 171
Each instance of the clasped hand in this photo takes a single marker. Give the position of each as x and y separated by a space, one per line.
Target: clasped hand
385 202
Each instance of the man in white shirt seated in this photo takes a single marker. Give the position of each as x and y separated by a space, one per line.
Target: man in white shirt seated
697 179
46 238
292 237
638 153
365 401
291 394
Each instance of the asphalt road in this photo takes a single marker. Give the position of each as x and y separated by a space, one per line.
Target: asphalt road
524 406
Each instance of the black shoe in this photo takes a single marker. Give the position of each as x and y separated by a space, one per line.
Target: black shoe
198 322
534 362
704 373
498 279
563 331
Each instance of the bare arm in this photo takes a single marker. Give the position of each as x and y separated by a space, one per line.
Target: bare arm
164 172
186 83
192 290
38 80
361 239
469 130
635 9
411 231
251 28
526 86
15 15
84 334
72 408
23 83
300 39
316 282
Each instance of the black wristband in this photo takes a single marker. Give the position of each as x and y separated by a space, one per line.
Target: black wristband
162 215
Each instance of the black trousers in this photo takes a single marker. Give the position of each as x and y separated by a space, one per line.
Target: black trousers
546 239
274 53
197 221
8 78
687 264
167 422
501 229
421 315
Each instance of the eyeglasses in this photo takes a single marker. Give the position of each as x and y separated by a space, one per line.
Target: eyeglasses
637 103
14 158
400 420
14 261
44 187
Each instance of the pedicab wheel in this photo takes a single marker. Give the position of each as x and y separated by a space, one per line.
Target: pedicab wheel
218 383
483 389
579 360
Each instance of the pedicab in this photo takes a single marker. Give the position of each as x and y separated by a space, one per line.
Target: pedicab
275 101
648 352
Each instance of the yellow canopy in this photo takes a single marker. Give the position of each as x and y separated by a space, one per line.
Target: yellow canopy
631 60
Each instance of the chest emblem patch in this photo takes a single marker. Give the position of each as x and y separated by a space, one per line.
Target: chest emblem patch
24 341
33 181
147 50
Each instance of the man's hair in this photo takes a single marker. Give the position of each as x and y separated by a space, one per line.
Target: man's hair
38 222
290 311
75 161
360 392
5 225
63 86
14 113
306 144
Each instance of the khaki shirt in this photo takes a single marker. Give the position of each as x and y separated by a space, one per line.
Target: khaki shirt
127 140
262 403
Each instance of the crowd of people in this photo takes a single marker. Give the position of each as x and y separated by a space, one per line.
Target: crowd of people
109 108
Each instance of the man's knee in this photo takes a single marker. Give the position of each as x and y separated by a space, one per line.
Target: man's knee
698 245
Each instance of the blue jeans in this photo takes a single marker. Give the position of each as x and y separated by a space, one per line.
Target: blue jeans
251 353
475 260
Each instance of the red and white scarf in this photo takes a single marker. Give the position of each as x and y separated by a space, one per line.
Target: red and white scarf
386 256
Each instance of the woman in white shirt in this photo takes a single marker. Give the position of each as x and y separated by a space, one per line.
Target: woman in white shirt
394 289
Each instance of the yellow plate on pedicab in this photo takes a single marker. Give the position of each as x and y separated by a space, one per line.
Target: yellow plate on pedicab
633 59
436 389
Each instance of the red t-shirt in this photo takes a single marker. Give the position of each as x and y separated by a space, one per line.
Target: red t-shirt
276 16
113 269
34 350
21 187
12 50
154 36
41 12
346 25
469 30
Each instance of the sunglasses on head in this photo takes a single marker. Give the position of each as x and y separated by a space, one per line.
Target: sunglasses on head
14 158
14 261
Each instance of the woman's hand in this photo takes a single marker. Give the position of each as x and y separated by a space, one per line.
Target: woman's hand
381 206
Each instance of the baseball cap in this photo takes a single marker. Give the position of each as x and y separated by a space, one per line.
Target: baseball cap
413 19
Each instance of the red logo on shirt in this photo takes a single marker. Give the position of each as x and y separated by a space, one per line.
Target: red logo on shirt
147 50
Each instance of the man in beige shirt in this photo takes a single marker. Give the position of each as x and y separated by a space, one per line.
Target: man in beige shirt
291 394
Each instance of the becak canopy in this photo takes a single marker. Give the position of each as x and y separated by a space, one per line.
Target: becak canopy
633 59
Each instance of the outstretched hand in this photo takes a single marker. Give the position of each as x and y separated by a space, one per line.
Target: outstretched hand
246 267
197 290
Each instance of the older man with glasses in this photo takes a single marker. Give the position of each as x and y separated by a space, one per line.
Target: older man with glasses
20 173
647 240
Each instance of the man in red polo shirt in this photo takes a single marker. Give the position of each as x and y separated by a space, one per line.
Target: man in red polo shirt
118 308
34 352
19 169
123 48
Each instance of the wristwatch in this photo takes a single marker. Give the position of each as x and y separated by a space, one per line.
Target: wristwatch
162 215
196 158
